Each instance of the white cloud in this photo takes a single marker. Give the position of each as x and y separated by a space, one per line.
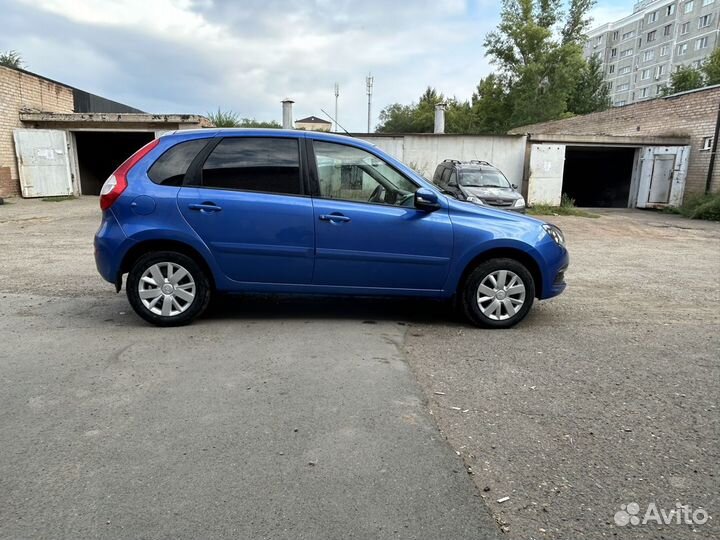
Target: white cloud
195 55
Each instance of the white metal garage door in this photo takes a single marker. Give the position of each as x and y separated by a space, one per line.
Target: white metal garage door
662 172
547 163
43 162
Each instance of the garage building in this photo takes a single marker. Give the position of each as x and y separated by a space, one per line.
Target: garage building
650 154
59 140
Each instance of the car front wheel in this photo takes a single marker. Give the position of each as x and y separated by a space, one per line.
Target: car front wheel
167 288
498 293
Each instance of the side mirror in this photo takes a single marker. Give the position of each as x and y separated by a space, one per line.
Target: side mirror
426 200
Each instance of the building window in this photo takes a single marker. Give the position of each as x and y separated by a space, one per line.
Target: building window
652 17
684 28
645 74
598 39
628 35
707 143
624 70
611 69
670 10
705 20
651 36
707 2
644 93
613 53
667 30
664 50
649 55
660 71
615 35
682 49
659 89
623 87
626 52
609 85
688 7
701 43
620 103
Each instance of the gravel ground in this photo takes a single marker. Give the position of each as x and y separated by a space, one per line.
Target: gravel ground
604 396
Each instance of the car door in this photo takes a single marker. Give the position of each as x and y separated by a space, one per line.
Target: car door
248 205
368 232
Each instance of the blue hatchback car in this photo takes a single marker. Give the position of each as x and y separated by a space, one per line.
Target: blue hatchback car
195 213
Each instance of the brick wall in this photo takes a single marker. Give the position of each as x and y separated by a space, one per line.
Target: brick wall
691 114
19 90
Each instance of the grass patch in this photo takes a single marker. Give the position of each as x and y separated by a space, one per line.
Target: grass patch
699 207
566 208
60 198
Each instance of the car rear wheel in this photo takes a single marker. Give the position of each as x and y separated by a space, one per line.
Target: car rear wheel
498 293
167 288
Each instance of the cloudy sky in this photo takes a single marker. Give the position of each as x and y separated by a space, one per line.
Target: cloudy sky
193 56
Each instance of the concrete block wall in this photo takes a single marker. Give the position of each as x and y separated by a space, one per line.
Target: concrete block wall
20 90
425 151
692 114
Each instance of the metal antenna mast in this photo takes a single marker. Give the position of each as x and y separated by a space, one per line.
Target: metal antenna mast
337 94
369 82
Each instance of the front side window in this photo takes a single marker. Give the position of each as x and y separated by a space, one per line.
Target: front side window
170 168
352 174
265 164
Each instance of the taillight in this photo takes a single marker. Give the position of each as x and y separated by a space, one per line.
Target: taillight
117 182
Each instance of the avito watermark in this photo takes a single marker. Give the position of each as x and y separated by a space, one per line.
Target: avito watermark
630 514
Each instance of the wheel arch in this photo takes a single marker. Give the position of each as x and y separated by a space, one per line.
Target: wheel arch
148 246
523 257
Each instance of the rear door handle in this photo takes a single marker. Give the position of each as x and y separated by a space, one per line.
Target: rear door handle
205 207
334 218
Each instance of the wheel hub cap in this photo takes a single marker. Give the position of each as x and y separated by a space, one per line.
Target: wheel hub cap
166 289
500 295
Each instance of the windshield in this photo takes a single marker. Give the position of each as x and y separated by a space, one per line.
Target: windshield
483 179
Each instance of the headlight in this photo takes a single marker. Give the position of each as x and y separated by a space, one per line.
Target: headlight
475 200
555 233
519 203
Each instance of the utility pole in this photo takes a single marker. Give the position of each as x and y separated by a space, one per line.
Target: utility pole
337 94
369 82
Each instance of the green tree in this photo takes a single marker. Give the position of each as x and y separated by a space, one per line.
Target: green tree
11 59
711 68
420 117
539 67
252 123
230 119
491 106
684 79
591 92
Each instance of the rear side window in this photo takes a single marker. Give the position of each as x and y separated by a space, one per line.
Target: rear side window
263 164
170 168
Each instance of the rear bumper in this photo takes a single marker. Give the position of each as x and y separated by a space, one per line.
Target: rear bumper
110 245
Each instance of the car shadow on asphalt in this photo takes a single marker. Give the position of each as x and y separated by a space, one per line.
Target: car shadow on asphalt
368 310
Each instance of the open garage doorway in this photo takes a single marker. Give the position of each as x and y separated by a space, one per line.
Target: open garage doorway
100 152
598 176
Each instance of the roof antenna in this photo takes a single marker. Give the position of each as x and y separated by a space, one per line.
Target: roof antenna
336 122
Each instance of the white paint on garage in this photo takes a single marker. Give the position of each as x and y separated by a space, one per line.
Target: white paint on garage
545 179
661 172
425 152
43 162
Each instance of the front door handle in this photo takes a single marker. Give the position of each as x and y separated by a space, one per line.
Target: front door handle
334 218
205 207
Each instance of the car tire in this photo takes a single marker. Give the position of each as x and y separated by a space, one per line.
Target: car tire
510 300
183 292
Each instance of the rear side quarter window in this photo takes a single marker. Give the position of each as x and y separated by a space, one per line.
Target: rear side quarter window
170 168
263 164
